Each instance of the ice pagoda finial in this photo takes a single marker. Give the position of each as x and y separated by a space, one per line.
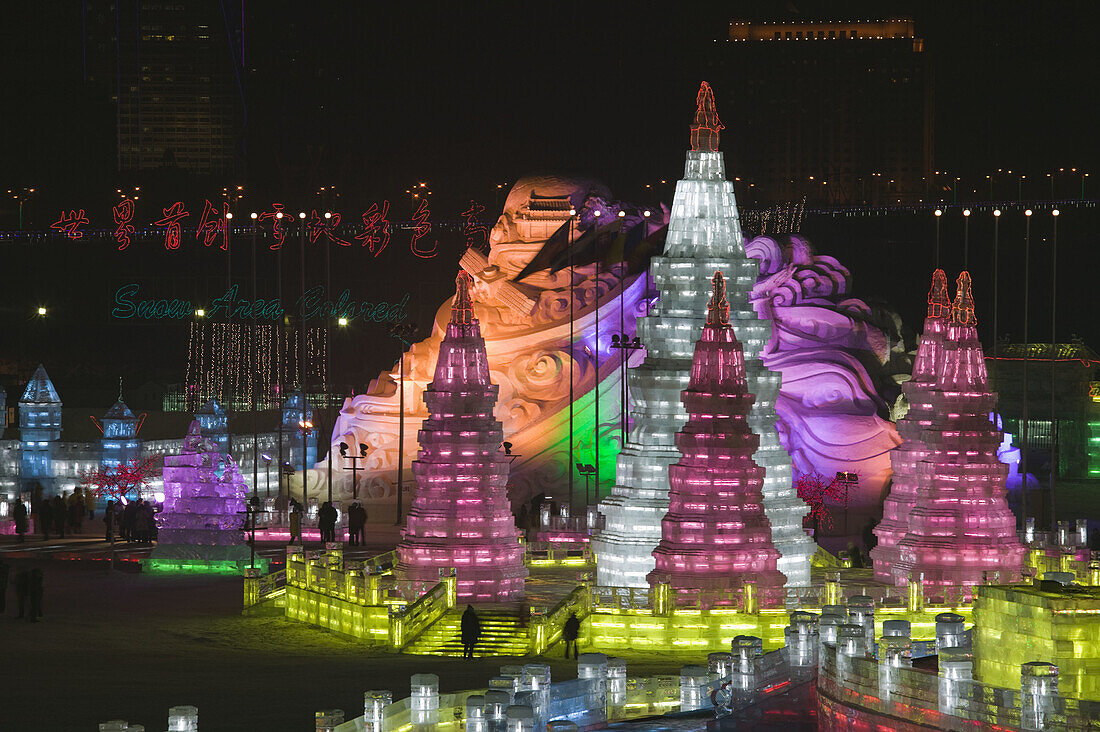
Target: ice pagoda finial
962 311
939 302
193 442
705 128
718 309
462 309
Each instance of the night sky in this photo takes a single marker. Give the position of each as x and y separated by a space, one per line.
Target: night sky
373 97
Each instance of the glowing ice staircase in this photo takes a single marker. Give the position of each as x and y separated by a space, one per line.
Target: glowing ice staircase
704 235
502 634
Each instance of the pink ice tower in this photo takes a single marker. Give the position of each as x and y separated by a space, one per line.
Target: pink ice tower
460 517
715 535
960 525
905 458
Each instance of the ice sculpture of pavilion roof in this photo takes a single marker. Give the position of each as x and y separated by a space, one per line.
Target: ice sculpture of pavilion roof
211 407
119 411
40 389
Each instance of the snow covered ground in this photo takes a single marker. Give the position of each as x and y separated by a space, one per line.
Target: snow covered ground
122 645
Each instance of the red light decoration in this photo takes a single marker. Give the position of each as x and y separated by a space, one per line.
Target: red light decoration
376 228
939 302
462 309
214 224
171 222
705 128
962 310
278 226
123 214
718 309
475 232
71 224
318 225
115 483
421 229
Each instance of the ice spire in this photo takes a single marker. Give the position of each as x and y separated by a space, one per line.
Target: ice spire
705 128
704 235
905 458
460 516
960 525
715 535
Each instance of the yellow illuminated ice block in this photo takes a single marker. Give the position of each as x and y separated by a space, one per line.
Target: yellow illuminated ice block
1015 624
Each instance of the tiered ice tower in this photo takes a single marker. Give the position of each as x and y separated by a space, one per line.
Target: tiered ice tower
905 458
461 517
715 535
960 525
704 235
200 528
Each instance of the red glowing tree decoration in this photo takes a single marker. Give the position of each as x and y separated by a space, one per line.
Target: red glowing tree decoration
123 214
905 458
421 228
461 516
815 490
376 228
116 483
71 224
715 535
705 128
960 525
171 224
214 225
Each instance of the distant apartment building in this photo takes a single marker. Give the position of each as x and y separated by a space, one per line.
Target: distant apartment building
838 111
173 73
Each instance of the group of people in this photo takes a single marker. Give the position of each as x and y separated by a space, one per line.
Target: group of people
28 591
327 517
136 521
59 515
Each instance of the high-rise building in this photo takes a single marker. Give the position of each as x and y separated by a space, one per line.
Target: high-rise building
173 71
837 111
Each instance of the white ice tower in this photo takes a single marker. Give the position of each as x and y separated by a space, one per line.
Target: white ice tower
704 235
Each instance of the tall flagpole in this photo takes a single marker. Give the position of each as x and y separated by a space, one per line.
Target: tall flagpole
1023 429
1053 362
569 457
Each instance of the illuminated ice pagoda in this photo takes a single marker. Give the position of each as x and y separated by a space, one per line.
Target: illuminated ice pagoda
200 528
905 458
460 516
715 535
704 235
960 525
39 430
120 428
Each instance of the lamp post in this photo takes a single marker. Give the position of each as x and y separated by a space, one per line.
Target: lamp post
996 238
403 332
938 213
624 345
363 450
306 427
588 471
572 236
267 473
966 238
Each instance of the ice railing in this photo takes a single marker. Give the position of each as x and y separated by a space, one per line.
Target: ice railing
557 554
545 627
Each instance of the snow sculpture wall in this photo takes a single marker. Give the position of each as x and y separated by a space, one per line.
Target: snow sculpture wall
460 516
960 525
908 456
715 535
704 235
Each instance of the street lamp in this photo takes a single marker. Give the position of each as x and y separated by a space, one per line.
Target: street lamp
403 332
588 471
363 450
624 345
267 472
